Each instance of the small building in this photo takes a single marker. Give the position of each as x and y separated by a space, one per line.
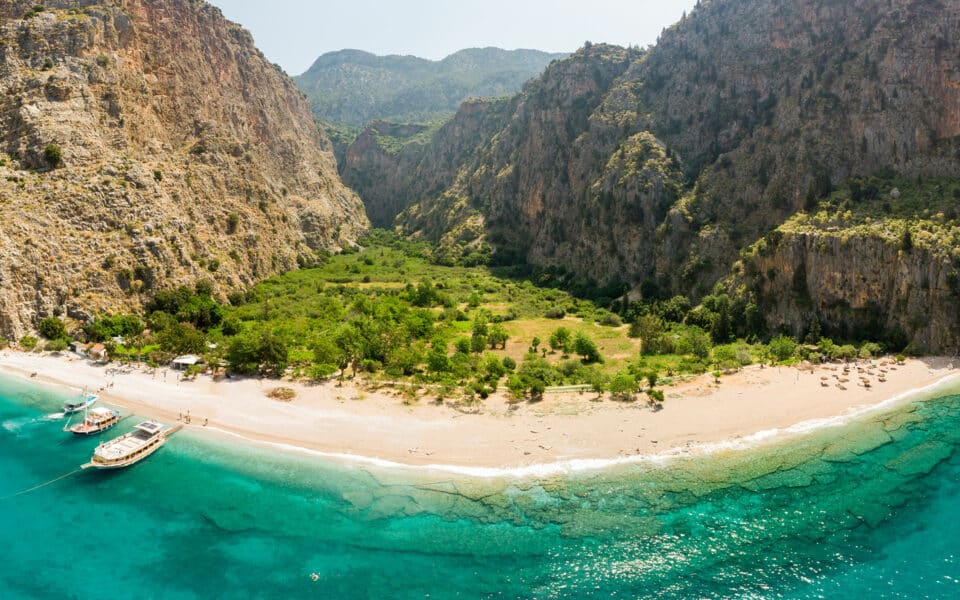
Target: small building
97 352
79 348
181 363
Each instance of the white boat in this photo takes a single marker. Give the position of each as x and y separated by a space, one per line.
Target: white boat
96 420
85 401
130 448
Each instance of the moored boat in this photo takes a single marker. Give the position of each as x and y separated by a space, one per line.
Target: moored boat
96 421
85 401
130 448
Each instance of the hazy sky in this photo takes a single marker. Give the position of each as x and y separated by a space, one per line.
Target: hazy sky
293 33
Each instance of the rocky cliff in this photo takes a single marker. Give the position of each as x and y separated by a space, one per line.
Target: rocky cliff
658 168
145 143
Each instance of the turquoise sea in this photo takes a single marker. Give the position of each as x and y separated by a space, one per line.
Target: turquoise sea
867 510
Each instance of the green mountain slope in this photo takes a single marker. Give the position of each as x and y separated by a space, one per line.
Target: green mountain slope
352 87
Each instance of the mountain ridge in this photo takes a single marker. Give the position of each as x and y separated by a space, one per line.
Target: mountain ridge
744 115
355 87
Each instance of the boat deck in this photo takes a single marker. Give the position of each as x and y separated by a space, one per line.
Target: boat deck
124 446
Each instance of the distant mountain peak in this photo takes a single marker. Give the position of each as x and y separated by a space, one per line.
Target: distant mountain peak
354 87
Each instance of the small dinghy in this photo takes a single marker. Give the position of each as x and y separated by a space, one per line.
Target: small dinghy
84 402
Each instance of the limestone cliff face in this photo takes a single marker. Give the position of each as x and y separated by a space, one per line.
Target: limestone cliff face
146 143
659 167
859 285
393 178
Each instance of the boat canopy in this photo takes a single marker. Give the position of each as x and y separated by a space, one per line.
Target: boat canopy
150 427
186 361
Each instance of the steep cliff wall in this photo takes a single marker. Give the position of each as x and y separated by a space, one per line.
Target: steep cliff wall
145 143
660 167
396 166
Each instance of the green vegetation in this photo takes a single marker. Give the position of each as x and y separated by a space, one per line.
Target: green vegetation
28 342
386 312
53 155
912 213
353 88
52 328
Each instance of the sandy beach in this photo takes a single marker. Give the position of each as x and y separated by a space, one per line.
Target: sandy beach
563 428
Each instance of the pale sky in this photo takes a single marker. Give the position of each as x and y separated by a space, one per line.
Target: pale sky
293 33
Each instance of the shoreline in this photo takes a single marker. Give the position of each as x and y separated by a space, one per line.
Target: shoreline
761 405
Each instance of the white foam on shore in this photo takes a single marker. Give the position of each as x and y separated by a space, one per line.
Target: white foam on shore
948 384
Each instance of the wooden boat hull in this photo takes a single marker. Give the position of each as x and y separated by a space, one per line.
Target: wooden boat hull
79 430
140 455
127 462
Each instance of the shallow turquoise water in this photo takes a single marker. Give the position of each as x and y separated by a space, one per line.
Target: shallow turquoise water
868 510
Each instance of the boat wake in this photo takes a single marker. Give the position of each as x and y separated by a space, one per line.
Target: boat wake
17 425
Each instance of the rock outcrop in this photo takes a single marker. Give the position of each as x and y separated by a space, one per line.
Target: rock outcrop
657 168
145 143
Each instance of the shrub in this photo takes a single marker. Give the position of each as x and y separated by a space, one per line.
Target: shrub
611 320
53 155
914 348
57 345
555 313
28 342
509 364
233 221
782 347
52 328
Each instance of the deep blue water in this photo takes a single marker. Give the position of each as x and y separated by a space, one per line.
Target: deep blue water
868 510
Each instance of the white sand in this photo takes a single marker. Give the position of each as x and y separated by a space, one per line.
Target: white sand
561 428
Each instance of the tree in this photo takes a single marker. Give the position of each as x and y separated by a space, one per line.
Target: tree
623 386
182 338
494 369
814 334
328 355
403 360
52 328
725 357
782 347
559 339
273 352
351 342
517 387
694 341
593 376
478 343
652 333
906 240
463 345
652 378
498 337
437 360
586 348
252 351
